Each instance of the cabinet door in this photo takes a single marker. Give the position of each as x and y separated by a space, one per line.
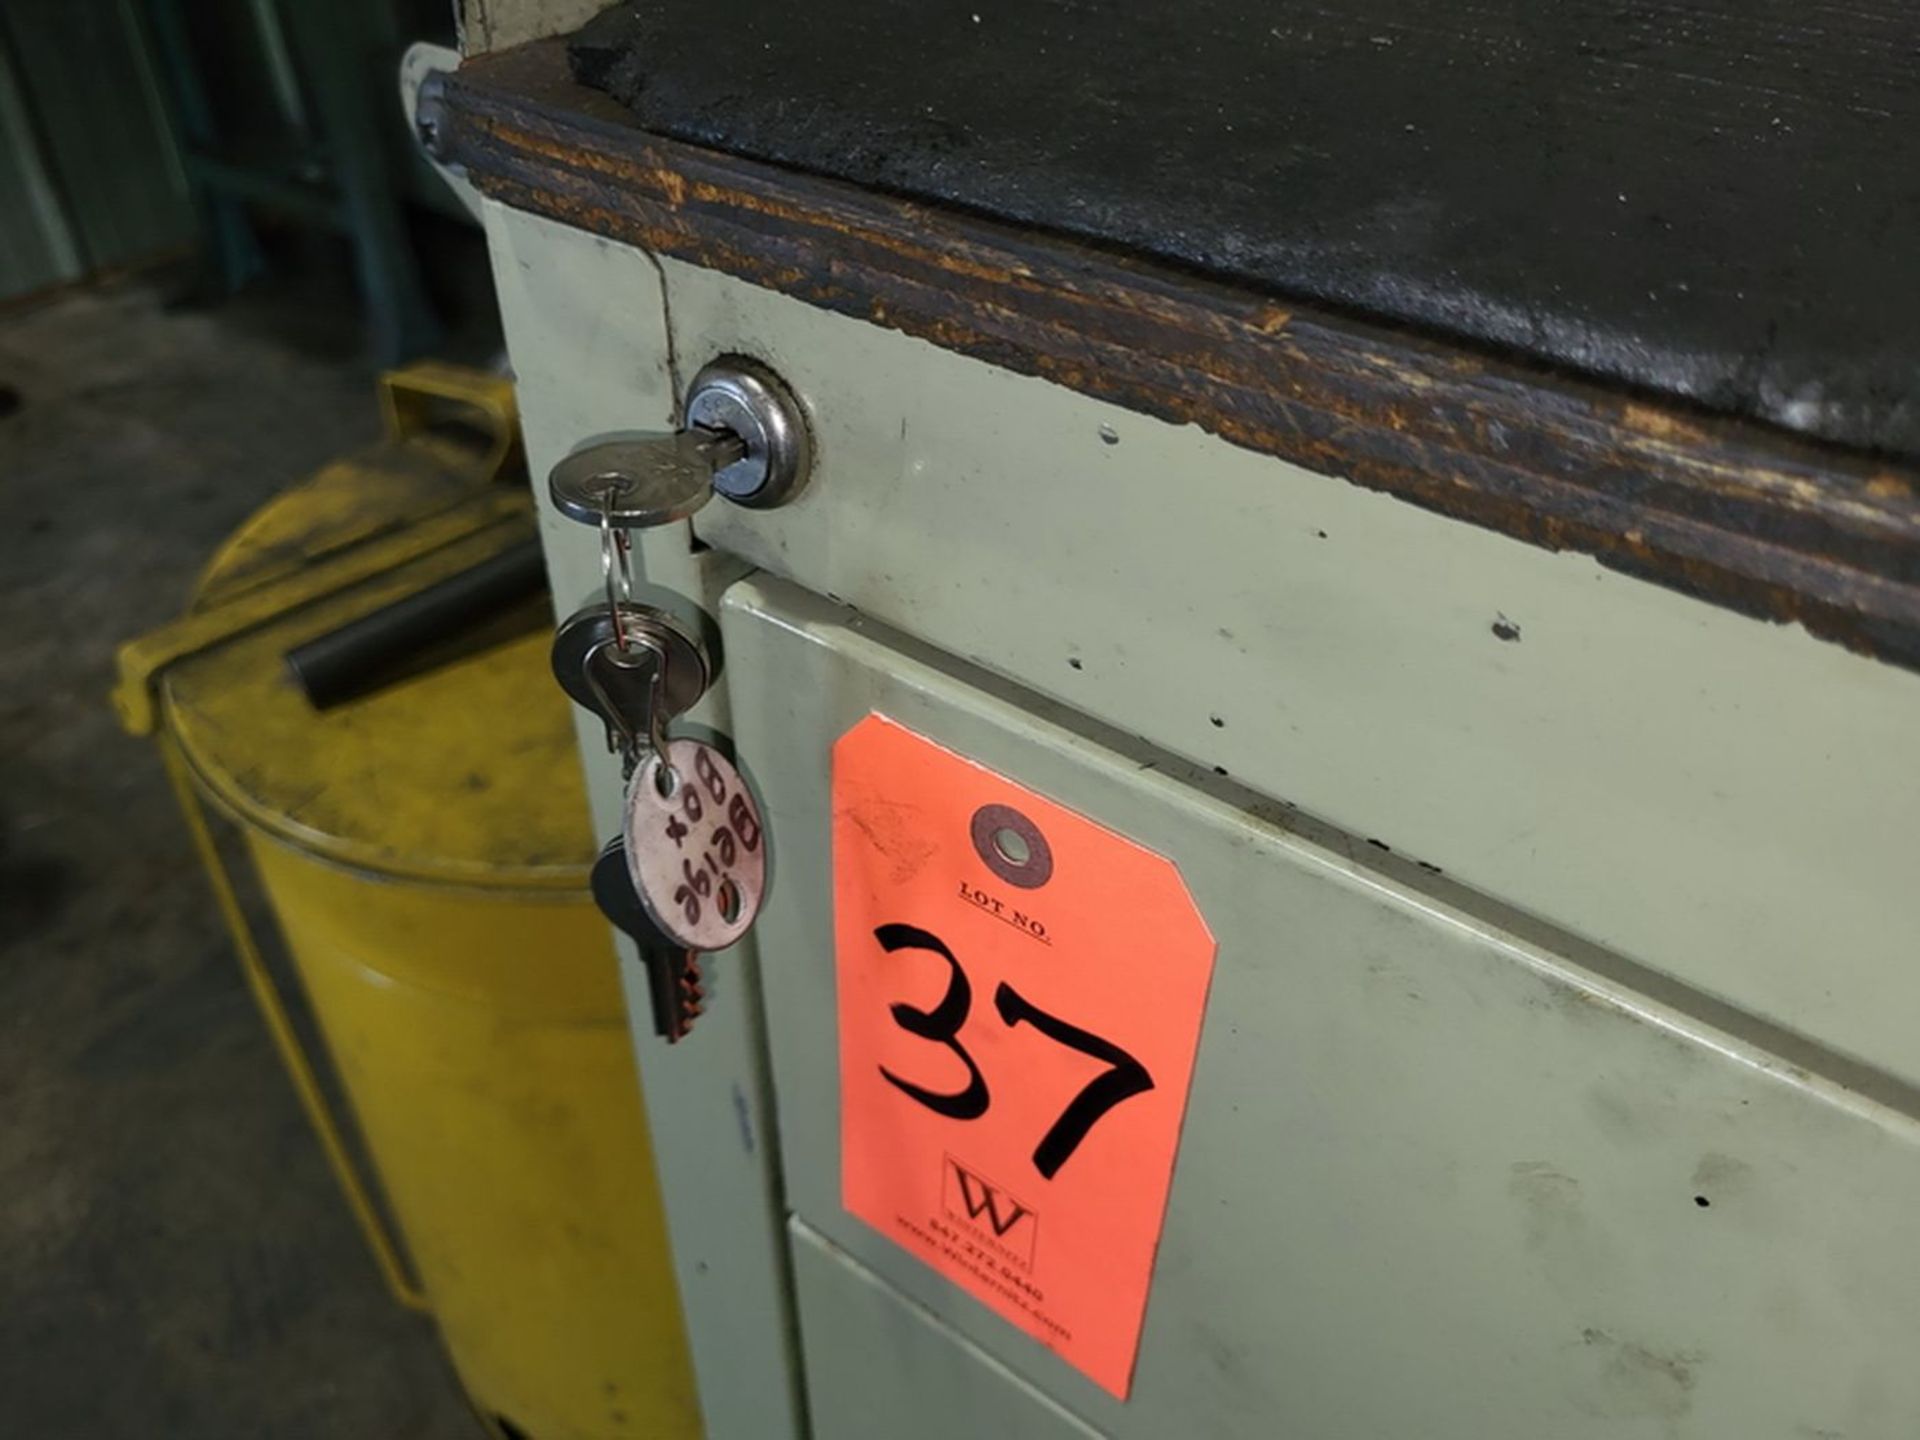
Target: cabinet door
1436 1178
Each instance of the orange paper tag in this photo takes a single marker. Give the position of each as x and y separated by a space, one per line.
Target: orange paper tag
1020 1001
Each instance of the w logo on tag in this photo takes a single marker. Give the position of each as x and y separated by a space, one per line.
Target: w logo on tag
982 1199
991 1211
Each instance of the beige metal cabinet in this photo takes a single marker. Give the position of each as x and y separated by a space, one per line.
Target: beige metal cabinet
1452 1167
1557 1075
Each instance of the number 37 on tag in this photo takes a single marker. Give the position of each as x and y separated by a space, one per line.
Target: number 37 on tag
1020 999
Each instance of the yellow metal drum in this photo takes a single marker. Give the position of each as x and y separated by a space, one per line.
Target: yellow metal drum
425 850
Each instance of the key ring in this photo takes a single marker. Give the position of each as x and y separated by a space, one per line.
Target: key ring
666 779
615 565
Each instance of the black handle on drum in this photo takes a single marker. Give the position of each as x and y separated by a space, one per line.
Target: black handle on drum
347 662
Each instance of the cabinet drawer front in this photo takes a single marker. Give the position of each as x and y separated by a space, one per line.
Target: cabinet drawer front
881 1368
1434 1179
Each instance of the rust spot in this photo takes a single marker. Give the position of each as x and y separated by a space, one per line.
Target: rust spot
1662 424
1271 319
670 184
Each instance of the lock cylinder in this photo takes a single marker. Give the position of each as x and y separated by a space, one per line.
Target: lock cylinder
738 396
745 439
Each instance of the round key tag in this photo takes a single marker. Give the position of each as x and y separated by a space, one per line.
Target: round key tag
695 846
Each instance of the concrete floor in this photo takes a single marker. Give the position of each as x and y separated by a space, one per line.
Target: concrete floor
174 1257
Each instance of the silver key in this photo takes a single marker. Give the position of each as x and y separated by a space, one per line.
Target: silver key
647 480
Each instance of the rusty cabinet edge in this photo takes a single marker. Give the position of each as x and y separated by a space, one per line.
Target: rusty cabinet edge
1726 511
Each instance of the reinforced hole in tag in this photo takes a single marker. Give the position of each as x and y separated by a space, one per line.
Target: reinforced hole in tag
728 900
1012 845
666 780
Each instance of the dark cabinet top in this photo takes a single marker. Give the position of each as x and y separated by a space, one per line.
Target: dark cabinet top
1717 203
1708 384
